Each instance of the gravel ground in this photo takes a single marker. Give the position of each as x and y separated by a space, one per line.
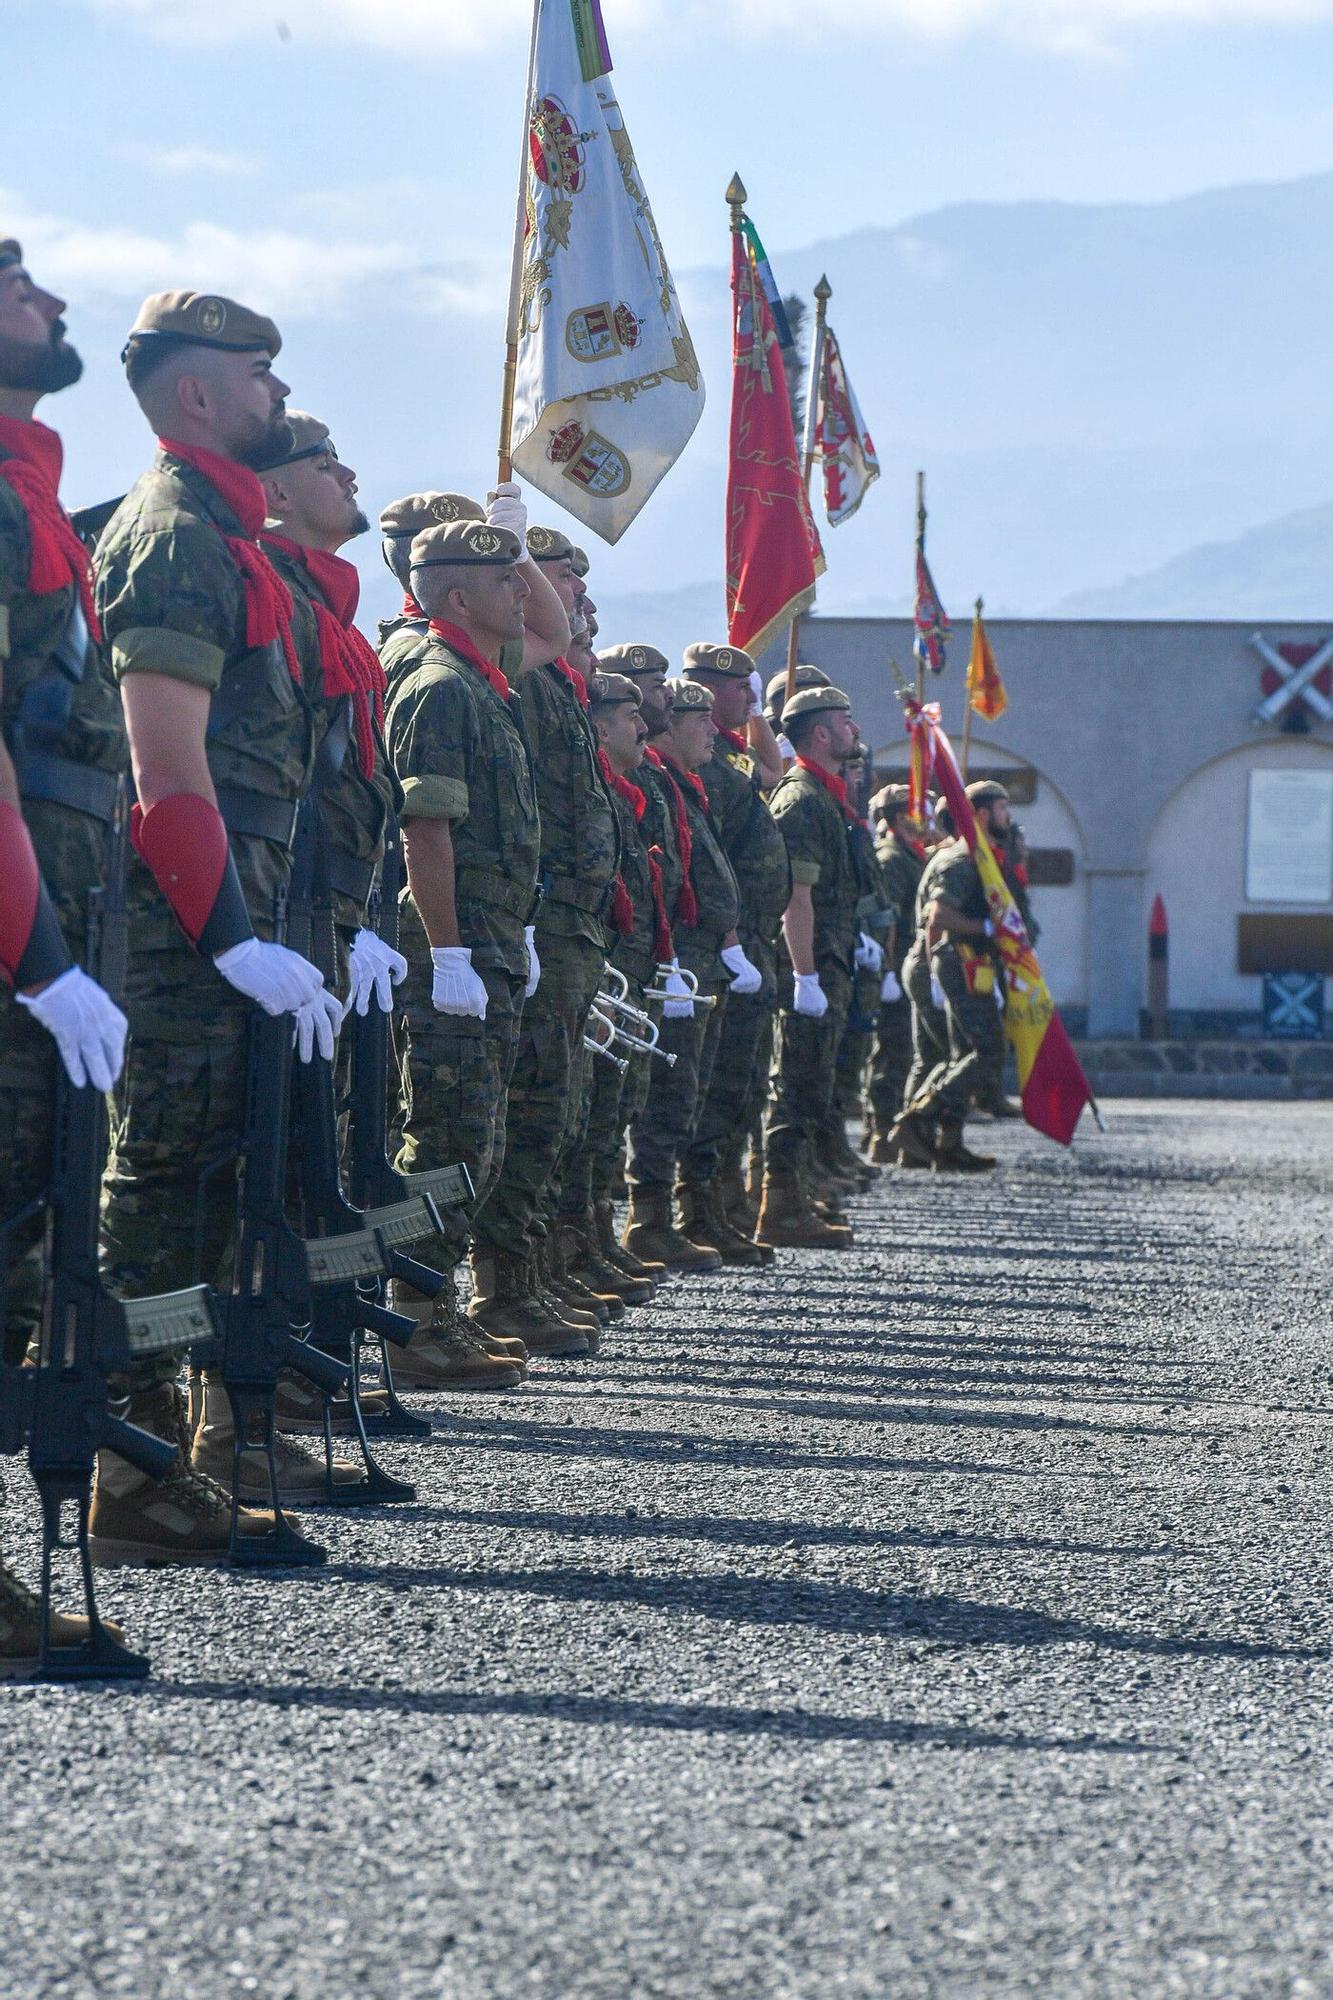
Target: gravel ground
948 1617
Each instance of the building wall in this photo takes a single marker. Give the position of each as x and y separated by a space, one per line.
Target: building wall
1142 736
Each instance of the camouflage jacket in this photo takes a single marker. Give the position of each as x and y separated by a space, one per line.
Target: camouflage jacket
754 846
659 831
402 641
580 832
58 707
901 870
716 891
635 955
815 831
874 913
460 753
172 602
354 809
950 876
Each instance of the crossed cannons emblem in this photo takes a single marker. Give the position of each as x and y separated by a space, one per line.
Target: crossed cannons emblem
1294 675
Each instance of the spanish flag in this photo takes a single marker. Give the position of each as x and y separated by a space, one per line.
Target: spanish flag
1052 1084
985 689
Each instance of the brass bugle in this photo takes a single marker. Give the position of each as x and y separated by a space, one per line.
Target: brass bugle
603 1047
636 1032
701 1000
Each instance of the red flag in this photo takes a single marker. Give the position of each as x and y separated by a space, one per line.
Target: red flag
773 552
1054 1088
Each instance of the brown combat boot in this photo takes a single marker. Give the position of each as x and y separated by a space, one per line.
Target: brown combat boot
735 1202
835 1157
617 1255
563 1247
590 1263
298 1408
184 1519
300 1472
416 1305
787 1221
649 1233
561 1299
915 1142
447 1353
21 1630
953 1157
505 1301
702 1221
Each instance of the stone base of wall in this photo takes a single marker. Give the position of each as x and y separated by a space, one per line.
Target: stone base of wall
1208 1068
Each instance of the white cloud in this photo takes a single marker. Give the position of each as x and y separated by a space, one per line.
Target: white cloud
196 160
279 271
1081 26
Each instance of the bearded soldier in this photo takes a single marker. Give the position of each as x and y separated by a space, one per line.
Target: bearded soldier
901 860
61 757
219 673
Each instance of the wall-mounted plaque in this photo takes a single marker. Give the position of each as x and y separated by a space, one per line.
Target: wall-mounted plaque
1289 838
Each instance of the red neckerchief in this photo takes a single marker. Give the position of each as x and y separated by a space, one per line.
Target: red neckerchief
268 602
575 679
687 905
734 741
662 943
411 609
349 663
917 847
835 787
1020 874
622 908
57 557
455 637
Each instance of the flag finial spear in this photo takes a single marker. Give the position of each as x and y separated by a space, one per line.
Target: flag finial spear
736 199
981 605
823 291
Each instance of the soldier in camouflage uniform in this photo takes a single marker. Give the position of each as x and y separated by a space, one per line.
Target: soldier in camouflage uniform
733 777
815 969
471 844
901 860
61 757
874 921
219 672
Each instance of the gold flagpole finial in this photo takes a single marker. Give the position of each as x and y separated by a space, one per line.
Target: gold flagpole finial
823 291
981 605
736 199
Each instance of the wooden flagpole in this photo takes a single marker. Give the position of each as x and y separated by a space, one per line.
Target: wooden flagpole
512 318
920 544
823 293
968 711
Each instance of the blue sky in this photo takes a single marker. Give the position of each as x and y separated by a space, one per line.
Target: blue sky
349 164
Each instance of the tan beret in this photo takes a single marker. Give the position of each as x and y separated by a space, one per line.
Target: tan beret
806 677
728 661
579 562
466 545
549 545
690 695
309 438
822 700
204 319
604 689
634 659
986 791
405 519
889 796
10 252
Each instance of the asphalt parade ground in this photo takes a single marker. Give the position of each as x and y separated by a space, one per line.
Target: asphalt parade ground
950 1616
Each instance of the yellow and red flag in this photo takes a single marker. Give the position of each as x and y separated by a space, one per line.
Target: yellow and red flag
1051 1080
985 689
773 552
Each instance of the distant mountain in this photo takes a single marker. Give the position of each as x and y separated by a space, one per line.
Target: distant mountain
1282 570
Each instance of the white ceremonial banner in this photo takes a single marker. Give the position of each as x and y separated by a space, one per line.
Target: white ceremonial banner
1289 838
608 389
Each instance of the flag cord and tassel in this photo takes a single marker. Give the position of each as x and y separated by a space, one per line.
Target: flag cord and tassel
968 692
823 293
506 463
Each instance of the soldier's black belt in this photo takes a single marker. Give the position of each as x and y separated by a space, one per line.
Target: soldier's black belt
258 814
77 786
488 885
587 896
349 876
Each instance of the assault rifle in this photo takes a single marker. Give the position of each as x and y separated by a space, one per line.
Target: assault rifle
59 1405
375 1185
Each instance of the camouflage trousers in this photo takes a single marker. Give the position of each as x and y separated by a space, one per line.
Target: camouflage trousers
663 1128
27 1082
545 1093
456 1073
591 1171
984 1025
854 1048
890 1060
938 1033
738 1086
805 1058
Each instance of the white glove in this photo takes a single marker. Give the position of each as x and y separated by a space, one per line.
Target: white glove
889 989
373 968
811 998
869 954
999 995
680 1004
88 1027
534 963
456 988
505 509
756 693
788 749
748 978
281 981
936 992
318 1021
